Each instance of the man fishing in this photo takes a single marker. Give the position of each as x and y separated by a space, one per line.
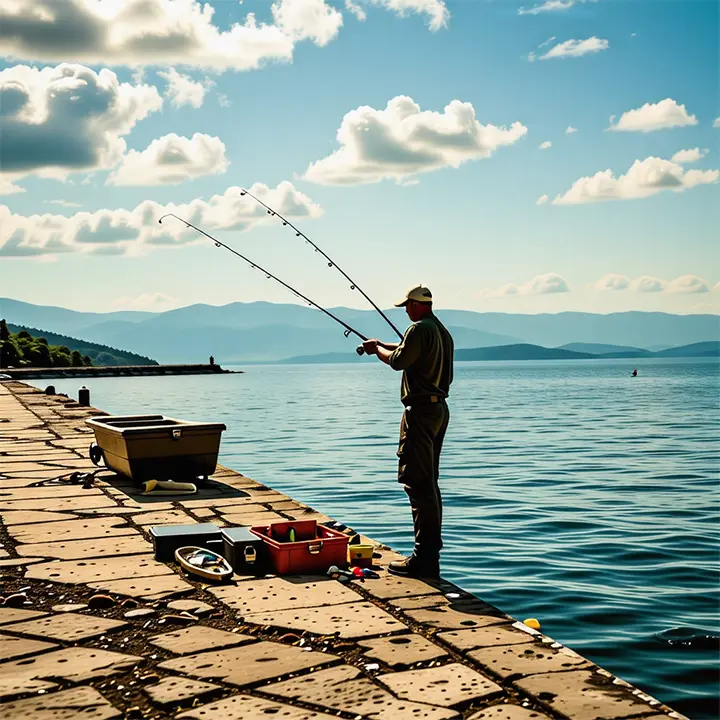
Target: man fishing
425 356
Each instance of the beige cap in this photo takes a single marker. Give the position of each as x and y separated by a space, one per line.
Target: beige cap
418 294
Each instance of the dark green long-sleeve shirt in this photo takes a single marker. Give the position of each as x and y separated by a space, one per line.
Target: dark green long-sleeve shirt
425 356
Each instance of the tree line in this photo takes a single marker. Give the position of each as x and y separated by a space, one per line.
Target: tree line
23 350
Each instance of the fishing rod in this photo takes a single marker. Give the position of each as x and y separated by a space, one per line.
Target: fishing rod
348 330
331 262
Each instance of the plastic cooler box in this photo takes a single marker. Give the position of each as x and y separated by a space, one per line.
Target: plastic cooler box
155 447
315 548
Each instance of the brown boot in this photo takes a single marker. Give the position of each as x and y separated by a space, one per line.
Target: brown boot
415 567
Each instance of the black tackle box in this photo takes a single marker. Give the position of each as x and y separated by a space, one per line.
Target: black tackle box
168 538
244 550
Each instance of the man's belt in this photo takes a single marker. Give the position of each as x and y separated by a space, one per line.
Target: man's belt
424 400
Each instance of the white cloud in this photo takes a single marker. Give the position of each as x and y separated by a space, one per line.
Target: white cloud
308 20
645 178
134 231
67 119
170 160
570 130
611 281
716 122
688 156
136 33
688 284
436 10
7 187
401 141
545 145
547 6
155 301
658 116
572 48
542 200
647 284
546 284
64 203
183 90
354 9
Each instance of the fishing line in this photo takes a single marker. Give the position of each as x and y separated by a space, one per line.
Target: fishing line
270 276
331 262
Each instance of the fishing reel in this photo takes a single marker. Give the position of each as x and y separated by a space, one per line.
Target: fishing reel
360 350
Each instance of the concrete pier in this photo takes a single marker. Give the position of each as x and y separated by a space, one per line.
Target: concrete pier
92 626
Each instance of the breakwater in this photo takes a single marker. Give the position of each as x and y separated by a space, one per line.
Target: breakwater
114 371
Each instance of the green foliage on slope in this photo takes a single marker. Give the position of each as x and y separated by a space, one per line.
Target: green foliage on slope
28 347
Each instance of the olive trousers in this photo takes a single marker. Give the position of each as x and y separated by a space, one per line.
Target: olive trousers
422 431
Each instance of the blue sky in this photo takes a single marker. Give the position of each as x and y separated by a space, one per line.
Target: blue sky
464 200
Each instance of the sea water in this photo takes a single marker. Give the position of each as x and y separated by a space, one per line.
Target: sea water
573 492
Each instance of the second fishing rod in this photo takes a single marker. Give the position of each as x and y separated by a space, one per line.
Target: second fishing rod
348 329
331 263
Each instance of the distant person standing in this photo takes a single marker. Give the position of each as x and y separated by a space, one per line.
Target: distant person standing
425 356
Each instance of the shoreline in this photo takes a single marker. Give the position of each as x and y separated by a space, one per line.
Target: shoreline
385 648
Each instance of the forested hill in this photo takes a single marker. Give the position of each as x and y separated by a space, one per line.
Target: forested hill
99 354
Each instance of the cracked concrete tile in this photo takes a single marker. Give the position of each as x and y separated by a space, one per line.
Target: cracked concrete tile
245 707
94 571
391 586
484 637
250 508
148 588
527 659
582 693
450 596
248 664
248 519
50 492
196 607
171 690
447 618
278 593
79 502
167 517
26 517
69 627
12 615
75 664
351 620
12 562
63 705
506 711
72 530
15 647
78 549
344 687
197 639
446 685
402 649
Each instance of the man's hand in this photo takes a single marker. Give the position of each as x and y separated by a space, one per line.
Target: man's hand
370 346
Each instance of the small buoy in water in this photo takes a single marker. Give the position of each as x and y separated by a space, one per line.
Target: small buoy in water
532 623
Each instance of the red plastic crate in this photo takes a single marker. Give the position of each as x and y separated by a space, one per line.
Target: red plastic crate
316 547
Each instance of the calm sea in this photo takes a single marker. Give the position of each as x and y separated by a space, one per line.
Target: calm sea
573 492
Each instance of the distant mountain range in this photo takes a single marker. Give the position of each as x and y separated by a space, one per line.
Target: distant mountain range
525 351
271 332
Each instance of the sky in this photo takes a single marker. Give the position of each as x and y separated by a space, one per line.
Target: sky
514 156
